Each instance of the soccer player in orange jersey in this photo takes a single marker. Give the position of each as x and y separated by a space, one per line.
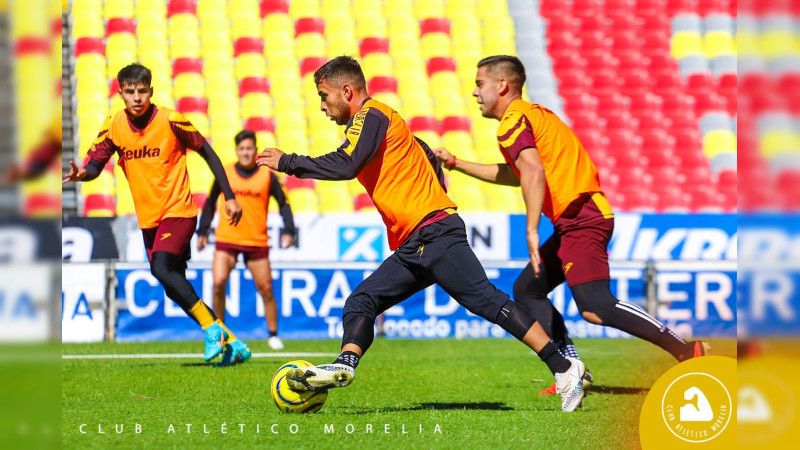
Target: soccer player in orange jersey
253 186
151 143
559 180
429 240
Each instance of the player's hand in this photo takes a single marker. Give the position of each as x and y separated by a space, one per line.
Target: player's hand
443 155
234 211
533 249
269 157
202 241
287 240
75 173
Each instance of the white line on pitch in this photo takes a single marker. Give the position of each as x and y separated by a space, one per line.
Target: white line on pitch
190 355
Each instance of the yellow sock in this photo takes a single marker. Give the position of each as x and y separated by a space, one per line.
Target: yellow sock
201 314
231 336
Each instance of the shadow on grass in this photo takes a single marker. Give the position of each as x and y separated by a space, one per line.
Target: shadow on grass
617 390
482 406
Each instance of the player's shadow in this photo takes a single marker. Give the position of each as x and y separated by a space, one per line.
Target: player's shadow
618 390
482 406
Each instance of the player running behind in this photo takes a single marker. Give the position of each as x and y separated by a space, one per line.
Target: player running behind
424 230
559 180
151 144
252 185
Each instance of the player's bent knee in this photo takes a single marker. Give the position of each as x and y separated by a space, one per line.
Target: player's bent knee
515 319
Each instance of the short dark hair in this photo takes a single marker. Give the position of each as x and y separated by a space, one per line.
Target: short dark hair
340 70
508 66
134 74
245 134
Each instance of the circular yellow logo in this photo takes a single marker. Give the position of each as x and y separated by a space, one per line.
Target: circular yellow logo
692 403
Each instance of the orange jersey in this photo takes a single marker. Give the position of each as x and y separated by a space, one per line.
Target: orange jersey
154 161
253 195
390 163
569 172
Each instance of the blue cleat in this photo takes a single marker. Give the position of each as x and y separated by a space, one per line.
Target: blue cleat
236 352
215 341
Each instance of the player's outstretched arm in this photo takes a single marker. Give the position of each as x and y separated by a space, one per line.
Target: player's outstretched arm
86 173
493 173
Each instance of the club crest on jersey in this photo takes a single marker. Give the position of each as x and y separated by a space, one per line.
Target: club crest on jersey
139 153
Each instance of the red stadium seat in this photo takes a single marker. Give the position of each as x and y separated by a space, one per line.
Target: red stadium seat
309 25
675 7
436 25
250 85
622 6
591 20
87 45
274 7
637 200
362 201
662 158
658 23
670 199
576 81
728 81
621 20
192 104
625 41
645 101
663 175
561 23
619 120
455 123
611 100
705 199
600 61
441 64
705 102
626 158
187 65
561 41
373 45
565 61
593 41
605 81
423 123
99 205
579 101
293 182
651 120
199 199
382 84
260 124
661 62
700 82
113 87
181 7
310 65
120 25
727 179
636 81
706 7
248 45
656 141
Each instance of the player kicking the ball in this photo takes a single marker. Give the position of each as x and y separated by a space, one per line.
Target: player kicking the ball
559 180
427 235
151 144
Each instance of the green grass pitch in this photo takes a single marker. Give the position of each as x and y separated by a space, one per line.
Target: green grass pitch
406 394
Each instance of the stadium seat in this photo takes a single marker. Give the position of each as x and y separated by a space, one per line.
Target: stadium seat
303 200
373 45
117 9
187 65
99 205
377 65
719 141
670 199
181 7
189 85
382 84
310 65
256 105
192 104
686 43
250 65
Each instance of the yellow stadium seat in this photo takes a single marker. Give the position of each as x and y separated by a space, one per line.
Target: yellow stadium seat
747 43
87 25
685 43
341 44
718 43
398 8
200 176
405 26
120 43
152 23
718 141
469 198
491 8
278 24
772 142
152 43
150 7
377 65
250 65
223 106
444 84
370 25
218 63
87 6
199 120
243 7
189 85
124 198
354 188
366 8
455 9
265 139
210 8
333 197
431 138
428 9
216 44
256 105
91 66
103 184
306 8
337 22
468 49
117 8
448 105
435 44
505 199
218 24
460 144
416 106
184 46
464 26
278 46
183 24
245 25
407 47
309 45
392 100
330 8
499 44
776 43
303 200
324 143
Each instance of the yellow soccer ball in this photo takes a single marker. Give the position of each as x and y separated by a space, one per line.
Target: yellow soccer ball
289 401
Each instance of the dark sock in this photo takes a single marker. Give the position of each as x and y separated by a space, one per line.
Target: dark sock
555 362
348 358
272 333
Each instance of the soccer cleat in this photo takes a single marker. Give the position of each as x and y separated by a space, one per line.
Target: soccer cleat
320 378
236 352
215 341
587 383
700 349
275 343
570 385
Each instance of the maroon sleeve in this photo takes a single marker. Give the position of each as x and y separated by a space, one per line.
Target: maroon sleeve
517 138
103 147
186 133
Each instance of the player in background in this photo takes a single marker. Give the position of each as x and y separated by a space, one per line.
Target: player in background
151 144
253 186
427 235
559 180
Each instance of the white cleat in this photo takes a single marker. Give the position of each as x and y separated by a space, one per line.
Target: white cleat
275 343
570 385
320 378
